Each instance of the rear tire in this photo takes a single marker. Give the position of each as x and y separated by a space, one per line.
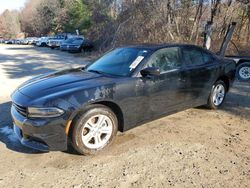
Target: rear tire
94 130
217 95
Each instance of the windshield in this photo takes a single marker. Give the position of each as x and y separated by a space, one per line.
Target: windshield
119 62
77 41
69 40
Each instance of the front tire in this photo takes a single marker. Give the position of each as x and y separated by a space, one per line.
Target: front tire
217 95
81 50
94 130
43 44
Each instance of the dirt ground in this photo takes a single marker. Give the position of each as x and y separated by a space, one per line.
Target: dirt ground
194 148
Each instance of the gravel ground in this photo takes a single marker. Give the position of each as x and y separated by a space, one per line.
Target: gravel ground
193 148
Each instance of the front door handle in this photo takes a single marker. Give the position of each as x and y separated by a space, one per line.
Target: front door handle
182 80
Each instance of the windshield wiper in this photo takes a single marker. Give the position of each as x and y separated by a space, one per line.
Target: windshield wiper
103 73
95 71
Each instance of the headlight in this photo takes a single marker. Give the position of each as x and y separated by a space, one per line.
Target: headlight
44 112
76 46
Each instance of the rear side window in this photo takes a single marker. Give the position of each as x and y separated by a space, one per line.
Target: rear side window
165 59
192 56
208 58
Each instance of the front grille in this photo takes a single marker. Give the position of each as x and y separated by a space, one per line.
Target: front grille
22 110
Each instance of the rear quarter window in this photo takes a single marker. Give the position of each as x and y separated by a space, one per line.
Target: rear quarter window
192 56
208 58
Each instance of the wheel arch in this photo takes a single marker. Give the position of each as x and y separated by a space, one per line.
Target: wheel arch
117 110
110 104
243 61
225 79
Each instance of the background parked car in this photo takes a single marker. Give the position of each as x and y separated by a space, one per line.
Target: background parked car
17 41
78 44
24 41
9 41
31 40
56 41
43 41
65 44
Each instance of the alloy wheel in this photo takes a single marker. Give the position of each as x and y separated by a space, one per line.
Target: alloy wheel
97 131
218 94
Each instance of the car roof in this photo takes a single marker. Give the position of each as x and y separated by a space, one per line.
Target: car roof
158 46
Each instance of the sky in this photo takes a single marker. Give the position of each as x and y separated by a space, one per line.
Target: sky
11 4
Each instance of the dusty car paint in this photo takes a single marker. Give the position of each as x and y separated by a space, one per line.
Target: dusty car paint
135 99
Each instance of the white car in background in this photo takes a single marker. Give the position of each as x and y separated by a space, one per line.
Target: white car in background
56 41
31 40
43 41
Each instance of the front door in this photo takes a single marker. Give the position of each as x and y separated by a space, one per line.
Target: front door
163 93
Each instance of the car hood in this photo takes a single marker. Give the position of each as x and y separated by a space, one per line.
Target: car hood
61 82
56 40
71 44
66 43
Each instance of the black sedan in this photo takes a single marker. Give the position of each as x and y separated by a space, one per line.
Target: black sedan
125 88
77 45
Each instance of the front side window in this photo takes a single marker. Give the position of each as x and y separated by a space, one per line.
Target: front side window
166 59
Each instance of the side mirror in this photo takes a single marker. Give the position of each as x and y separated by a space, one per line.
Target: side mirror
150 71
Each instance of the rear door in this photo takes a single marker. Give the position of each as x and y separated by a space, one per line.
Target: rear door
201 70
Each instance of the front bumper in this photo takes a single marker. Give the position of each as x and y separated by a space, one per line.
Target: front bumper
28 142
63 48
74 49
70 48
40 134
54 44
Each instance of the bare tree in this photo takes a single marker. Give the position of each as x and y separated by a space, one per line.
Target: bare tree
9 24
214 9
114 22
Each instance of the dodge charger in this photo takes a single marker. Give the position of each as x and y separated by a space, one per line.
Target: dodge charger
85 107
